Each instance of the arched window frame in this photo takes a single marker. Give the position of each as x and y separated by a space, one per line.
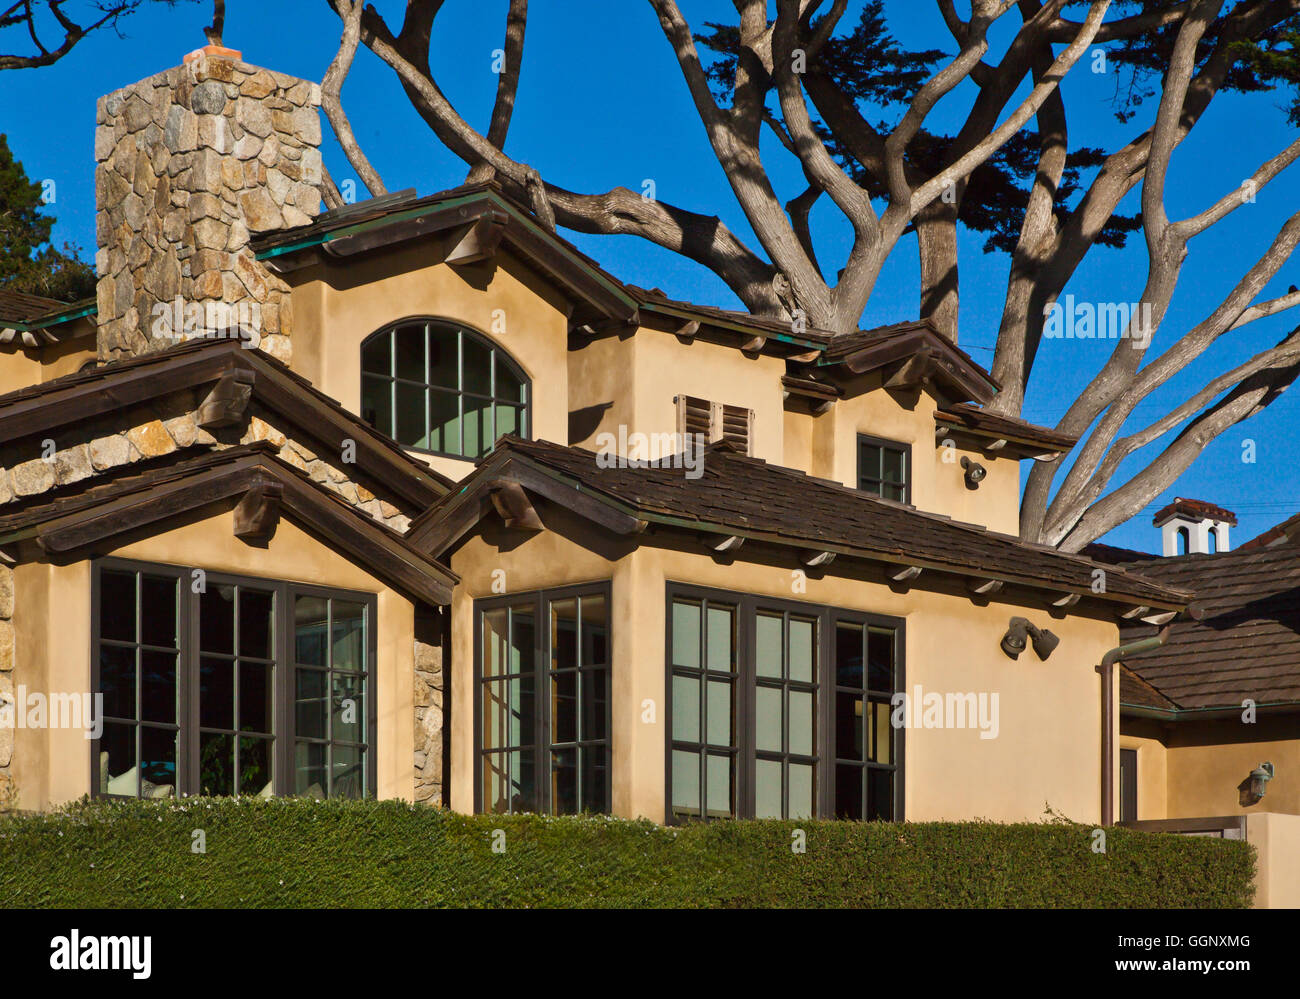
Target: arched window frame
1183 543
499 358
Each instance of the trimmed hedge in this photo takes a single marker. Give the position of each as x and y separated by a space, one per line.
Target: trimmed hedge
305 853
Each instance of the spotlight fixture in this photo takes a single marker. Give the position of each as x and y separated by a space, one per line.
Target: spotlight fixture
1021 632
975 472
1259 778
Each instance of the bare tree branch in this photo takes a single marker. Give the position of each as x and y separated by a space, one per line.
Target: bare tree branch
72 32
331 97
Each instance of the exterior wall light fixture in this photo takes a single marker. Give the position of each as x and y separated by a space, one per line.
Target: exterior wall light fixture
1021 632
975 472
1259 778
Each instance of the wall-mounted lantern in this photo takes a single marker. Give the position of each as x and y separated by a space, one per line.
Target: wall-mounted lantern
1259 778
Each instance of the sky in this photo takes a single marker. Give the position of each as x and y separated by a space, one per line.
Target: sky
602 103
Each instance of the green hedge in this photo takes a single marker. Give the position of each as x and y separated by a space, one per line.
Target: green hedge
292 853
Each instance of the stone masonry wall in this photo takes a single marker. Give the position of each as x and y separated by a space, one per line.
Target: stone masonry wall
189 163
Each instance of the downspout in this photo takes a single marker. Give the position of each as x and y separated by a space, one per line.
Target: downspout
1107 670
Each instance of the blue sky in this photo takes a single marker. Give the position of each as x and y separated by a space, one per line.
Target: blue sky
602 103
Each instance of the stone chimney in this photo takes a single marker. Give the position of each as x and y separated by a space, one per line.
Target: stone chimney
1194 527
188 164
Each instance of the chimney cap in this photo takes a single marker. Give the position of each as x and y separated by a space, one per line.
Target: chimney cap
1193 509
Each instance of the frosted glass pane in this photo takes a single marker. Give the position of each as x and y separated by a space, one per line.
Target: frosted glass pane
801 650
719 789
767 718
721 638
767 789
686 709
686 635
801 791
767 645
719 714
686 780
801 722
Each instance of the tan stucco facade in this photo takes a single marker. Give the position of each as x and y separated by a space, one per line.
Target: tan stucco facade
1046 753
1190 769
53 645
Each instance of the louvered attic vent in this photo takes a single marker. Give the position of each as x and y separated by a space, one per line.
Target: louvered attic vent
715 421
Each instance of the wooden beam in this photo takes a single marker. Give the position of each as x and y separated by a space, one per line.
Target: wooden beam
722 544
1160 618
257 515
815 559
905 574
911 373
687 331
226 404
1134 612
479 242
985 587
753 345
805 358
1067 600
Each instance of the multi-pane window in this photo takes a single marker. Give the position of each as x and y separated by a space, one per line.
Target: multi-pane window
437 387
222 685
139 647
883 468
331 730
785 714
236 688
542 679
704 691
865 741
780 709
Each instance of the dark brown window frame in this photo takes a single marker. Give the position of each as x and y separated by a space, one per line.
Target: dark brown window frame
747 606
882 442
283 725
498 352
542 743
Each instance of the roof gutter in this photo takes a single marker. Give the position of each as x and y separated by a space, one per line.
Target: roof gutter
1107 670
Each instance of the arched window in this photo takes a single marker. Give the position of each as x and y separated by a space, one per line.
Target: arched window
1214 540
437 387
1184 541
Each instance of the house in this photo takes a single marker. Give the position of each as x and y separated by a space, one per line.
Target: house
411 498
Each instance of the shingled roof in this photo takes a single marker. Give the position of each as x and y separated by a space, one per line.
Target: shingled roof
747 497
32 320
1247 641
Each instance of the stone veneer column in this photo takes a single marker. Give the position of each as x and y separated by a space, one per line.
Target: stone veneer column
189 162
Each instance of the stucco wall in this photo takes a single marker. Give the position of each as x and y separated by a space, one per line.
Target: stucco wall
338 305
938 481
53 636
1047 752
1277 840
1201 765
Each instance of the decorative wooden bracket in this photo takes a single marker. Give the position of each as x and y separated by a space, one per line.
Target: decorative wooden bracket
914 373
814 560
1066 600
905 574
753 345
985 587
480 241
1160 618
1132 612
258 513
226 404
514 507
